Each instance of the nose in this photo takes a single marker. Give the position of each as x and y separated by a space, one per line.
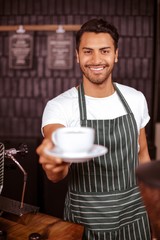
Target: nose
96 58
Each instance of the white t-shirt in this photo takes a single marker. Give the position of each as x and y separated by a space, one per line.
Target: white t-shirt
64 109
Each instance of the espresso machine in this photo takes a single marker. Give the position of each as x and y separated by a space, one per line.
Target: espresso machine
8 205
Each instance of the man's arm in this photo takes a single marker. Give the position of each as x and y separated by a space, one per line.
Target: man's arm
48 129
143 153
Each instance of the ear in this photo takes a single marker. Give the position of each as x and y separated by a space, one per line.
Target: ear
77 56
116 55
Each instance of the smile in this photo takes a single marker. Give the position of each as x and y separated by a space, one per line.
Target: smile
97 68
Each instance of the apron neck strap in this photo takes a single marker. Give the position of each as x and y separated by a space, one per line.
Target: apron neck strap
82 102
127 107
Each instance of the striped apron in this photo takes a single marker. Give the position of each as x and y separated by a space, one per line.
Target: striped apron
103 194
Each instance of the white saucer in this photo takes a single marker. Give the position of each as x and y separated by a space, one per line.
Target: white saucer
96 151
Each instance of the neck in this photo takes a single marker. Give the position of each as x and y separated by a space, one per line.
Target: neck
105 89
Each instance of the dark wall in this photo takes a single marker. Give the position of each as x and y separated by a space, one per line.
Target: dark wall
157 62
24 93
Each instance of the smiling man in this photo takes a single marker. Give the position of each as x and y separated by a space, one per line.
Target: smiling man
102 193
96 56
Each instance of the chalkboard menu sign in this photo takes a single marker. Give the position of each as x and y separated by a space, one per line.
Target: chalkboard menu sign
60 51
20 51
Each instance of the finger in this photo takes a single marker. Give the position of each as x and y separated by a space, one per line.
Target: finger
55 169
44 157
46 144
47 159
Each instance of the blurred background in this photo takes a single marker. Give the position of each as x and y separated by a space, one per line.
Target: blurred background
24 92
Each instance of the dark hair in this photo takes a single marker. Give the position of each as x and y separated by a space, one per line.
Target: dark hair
97 26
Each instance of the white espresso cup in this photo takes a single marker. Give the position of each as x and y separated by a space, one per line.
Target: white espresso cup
74 139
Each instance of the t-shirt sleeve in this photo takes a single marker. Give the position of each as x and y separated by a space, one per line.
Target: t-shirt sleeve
52 114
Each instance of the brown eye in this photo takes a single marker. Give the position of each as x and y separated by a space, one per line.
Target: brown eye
105 51
87 51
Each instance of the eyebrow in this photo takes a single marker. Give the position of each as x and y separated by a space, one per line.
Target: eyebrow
88 48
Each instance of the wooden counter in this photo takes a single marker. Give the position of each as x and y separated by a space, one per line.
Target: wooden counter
49 227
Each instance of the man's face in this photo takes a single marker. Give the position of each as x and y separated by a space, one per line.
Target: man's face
97 56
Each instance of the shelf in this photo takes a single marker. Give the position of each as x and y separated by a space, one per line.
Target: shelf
40 27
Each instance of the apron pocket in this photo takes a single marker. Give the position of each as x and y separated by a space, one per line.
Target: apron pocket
106 211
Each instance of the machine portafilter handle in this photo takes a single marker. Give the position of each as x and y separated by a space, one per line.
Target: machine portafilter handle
23 149
9 153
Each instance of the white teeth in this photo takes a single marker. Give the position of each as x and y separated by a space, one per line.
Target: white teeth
97 69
